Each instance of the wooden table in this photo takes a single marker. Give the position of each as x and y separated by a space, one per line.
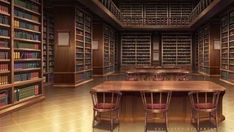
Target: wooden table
180 108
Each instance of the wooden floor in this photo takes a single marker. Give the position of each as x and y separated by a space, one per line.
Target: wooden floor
70 110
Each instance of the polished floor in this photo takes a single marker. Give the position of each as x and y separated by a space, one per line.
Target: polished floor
70 110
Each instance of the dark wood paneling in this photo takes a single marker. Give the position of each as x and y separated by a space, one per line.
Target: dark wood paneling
65 55
214 53
98 53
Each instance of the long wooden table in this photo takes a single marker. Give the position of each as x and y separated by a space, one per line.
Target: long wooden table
180 108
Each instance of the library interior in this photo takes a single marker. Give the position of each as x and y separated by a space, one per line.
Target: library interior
116 65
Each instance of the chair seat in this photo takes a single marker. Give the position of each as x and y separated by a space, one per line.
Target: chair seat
204 106
105 106
156 106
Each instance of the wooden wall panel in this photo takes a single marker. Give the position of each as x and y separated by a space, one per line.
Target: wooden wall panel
64 55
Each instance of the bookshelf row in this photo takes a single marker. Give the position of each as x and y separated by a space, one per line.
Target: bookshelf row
135 49
48 46
204 52
109 49
84 70
20 52
177 49
227 47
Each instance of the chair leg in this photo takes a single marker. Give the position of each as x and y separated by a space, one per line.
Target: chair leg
216 120
166 121
111 122
118 117
94 118
192 116
198 121
146 114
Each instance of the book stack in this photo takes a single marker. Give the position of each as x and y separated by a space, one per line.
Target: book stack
4 9
27 5
26 45
4 32
3 55
3 43
26 65
3 80
3 98
4 19
3 67
23 14
25 35
20 24
26 55
26 76
22 93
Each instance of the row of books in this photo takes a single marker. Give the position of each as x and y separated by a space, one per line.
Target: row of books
3 98
26 45
3 80
25 76
27 5
84 75
26 65
4 32
4 9
4 43
4 19
4 67
4 55
25 35
22 93
26 55
23 14
21 24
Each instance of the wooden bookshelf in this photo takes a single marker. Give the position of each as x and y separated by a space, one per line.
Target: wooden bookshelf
84 66
76 66
20 53
227 47
177 49
135 49
48 47
104 55
207 54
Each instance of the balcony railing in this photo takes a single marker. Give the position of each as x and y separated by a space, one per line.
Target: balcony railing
203 4
174 21
110 5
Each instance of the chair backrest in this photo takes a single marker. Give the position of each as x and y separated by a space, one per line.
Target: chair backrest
206 97
112 97
158 98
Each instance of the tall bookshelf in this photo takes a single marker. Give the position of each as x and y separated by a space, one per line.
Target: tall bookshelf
207 53
227 47
104 55
84 70
135 49
48 47
21 53
177 49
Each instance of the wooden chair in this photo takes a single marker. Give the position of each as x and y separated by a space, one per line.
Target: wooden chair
104 103
204 101
156 102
